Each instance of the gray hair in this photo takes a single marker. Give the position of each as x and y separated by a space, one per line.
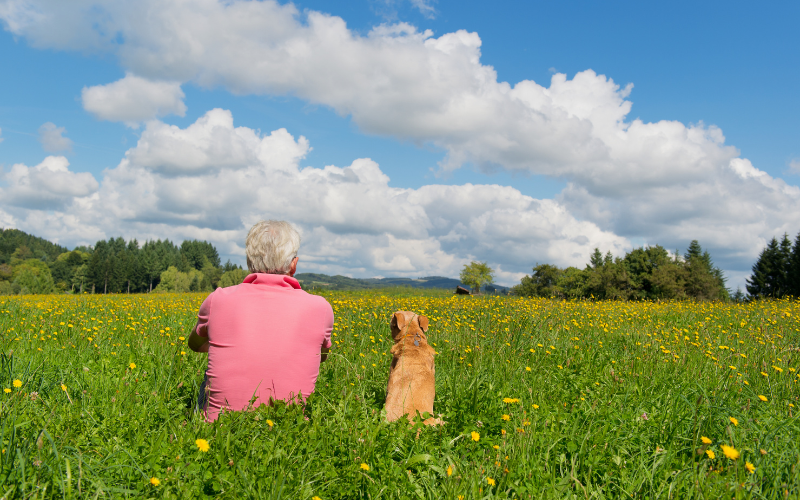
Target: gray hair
271 246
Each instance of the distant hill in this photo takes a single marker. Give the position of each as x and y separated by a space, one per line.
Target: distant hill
338 282
29 246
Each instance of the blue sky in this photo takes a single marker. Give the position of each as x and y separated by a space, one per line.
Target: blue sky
712 65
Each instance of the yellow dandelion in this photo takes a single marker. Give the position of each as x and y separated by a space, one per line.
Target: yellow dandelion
476 436
270 422
730 452
705 440
510 400
315 497
202 445
710 454
155 481
7 390
778 369
750 467
63 387
762 398
535 407
490 481
527 368
733 421
364 467
506 418
17 383
132 366
449 470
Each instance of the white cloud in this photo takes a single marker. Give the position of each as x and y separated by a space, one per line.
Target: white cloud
48 186
133 99
351 219
52 138
425 7
794 166
663 182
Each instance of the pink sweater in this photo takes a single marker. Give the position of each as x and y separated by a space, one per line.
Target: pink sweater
265 338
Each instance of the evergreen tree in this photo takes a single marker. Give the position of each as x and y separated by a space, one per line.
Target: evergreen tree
767 276
793 270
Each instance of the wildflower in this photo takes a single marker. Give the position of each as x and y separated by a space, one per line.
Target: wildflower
449 470
476 436
315 497
710 454
7 390
202 445
535 407
730 452
705 440
270 422
750 467
733 421
490 481
762 398
506 418
527 368
778 369
364 467
132 366
17 383
496 447
63 387
510 400
766 375
155 481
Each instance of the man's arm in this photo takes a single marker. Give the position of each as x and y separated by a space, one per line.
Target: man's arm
196 342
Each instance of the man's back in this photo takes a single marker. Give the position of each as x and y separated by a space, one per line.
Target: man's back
265 337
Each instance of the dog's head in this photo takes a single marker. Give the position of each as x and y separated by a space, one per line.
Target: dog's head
407 323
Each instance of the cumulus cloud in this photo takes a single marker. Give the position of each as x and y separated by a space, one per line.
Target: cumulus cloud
133 100
224 178
52 138
663 182
49 185
794 166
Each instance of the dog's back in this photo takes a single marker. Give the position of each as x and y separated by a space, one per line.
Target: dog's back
412 383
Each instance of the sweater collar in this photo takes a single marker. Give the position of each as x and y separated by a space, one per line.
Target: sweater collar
276 280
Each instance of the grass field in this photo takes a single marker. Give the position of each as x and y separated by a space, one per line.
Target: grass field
543 399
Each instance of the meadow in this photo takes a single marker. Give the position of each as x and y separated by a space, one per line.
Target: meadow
541 398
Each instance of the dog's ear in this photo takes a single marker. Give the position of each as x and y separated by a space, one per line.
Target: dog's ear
398 321
423 323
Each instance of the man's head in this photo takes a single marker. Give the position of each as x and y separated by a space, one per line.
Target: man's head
271 247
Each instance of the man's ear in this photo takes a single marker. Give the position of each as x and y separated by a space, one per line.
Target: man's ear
423 323
398 320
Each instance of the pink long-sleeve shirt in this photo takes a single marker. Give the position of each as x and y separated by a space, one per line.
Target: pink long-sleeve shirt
265 337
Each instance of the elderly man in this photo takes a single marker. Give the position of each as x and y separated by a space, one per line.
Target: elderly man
265 338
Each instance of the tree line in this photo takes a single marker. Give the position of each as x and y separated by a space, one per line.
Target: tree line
642 274
32 265
776 273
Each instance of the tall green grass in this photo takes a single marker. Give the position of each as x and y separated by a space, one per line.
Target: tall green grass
613 404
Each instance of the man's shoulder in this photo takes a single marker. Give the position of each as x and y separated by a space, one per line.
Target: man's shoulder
316 300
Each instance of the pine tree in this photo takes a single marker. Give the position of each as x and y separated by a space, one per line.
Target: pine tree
767 276
793 270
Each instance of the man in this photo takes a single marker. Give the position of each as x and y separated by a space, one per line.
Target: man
266 337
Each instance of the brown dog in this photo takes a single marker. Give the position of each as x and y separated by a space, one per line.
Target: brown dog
412 385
